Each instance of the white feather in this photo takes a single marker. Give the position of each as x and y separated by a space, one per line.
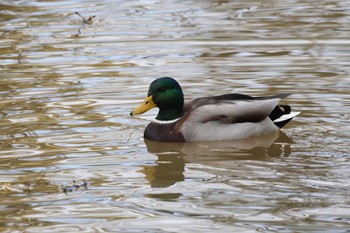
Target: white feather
286 117
165 122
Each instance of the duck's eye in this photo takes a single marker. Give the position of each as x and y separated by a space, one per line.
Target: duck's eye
162 89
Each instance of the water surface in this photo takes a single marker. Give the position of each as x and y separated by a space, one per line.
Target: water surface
67 89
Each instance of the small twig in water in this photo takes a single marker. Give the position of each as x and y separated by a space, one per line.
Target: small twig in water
75 187
85 21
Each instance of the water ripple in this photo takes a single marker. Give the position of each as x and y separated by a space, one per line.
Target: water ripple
67 88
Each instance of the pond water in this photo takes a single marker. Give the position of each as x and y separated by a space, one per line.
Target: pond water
67 88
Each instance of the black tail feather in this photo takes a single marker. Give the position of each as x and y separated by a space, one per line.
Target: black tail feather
279 111
282 123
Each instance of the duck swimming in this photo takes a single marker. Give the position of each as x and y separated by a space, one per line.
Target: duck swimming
223 117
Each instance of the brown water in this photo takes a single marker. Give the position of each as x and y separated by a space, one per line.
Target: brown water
67 89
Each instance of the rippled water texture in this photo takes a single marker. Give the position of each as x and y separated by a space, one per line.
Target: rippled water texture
67 88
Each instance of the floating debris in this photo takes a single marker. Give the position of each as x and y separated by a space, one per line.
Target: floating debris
75 187
16 188
87 20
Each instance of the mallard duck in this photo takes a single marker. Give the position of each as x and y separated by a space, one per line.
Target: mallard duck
224 117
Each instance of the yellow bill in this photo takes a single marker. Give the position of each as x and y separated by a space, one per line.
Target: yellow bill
144 107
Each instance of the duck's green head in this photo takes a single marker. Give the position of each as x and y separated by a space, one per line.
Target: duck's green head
166 94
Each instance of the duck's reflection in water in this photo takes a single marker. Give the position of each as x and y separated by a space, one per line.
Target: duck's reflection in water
172 157
169 170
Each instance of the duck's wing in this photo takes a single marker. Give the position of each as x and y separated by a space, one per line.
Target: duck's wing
230 111
196 103
232 108
228 119
248 97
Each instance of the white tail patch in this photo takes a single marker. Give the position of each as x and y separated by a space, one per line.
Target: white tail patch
286 117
